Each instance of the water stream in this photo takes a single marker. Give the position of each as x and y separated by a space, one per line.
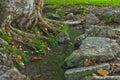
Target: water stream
50 67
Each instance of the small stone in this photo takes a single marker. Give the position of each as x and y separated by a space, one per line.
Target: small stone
91 19
70 16
63 38
78 40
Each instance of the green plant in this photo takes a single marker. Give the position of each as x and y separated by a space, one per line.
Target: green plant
83 9
111 18
6 36
39 46
65 29
60 11
52 41
107 18
15 52
35 29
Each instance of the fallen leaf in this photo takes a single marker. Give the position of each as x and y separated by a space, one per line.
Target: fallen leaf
37 32
112 69
94 74
20 48
12 43
87 62
118 58
102 72
37 76
13 46
18 58
36 58
117 64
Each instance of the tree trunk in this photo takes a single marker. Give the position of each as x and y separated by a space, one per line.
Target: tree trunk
17 17
21 13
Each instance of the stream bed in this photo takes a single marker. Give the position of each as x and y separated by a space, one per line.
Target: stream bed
50 67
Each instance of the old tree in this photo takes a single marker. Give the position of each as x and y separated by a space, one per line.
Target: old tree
18 17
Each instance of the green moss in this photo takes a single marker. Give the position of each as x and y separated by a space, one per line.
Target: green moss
35 29
65 29
14 51
110 18
88 78
60 11
86 73
80 75
38 45
6 36
52 41
107 18
73 33
83 9
20 33
55 60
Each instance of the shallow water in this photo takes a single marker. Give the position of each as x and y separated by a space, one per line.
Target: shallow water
50 67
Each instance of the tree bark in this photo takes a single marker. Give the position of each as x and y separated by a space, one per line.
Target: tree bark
19 16
21 13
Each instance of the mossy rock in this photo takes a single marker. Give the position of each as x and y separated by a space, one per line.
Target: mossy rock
108 18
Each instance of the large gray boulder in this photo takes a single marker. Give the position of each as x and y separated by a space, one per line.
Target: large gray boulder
96 49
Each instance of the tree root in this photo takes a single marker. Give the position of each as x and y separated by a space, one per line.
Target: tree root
27 35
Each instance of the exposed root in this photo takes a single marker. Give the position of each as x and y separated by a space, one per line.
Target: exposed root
25 34
21 36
